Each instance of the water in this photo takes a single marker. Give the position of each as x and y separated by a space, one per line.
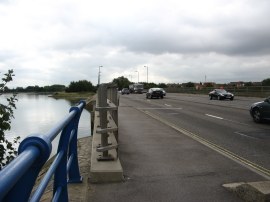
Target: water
37 114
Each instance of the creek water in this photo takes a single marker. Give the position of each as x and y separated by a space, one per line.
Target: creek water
37 114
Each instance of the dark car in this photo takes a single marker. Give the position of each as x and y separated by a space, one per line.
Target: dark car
125 91
164 92
220 94
154 93
260 111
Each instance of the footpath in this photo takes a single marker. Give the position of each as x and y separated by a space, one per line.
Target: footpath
161 164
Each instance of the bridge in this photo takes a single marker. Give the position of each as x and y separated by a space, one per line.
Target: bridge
182 148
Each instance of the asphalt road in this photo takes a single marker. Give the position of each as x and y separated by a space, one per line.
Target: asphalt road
226 124
162 162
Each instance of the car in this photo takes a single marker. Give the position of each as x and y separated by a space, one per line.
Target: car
164 92
260 111
154 93
125 91
221 94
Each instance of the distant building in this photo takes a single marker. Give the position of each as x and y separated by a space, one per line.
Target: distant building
256 83
237 84
243 84
209 84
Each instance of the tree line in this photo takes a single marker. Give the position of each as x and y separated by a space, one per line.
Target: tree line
74 86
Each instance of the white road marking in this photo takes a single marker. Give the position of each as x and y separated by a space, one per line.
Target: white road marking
167 105
157 108
244 135
217 117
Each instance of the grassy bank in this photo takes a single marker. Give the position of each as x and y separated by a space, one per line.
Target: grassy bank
72 96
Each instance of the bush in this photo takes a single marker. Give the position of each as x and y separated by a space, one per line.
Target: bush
80 86
7 149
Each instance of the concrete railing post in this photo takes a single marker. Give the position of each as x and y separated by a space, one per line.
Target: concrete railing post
102 104
114 99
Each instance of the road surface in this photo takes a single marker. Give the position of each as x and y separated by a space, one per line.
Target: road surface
184 148
226 124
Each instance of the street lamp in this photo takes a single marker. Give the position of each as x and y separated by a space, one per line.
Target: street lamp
147 72
99 74
138 75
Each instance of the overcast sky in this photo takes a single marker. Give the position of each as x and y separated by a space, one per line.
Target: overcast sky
58 41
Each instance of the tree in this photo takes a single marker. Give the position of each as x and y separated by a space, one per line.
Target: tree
54 88
80 86
162 85
248 83
149 85
35 88
208 85
121 82
7 149
266 82
189 85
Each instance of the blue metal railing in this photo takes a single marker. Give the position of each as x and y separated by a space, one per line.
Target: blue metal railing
18 178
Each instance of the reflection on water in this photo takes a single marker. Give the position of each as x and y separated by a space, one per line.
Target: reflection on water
39 113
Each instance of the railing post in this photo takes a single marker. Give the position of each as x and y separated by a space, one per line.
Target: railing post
102 104
114 99
60 177
73 168
67 145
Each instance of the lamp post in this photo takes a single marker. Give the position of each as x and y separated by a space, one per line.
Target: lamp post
99 74
147 72
138 75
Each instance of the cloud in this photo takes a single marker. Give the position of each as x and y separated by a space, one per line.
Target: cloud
49 42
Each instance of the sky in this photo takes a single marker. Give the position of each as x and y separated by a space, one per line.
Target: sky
50 42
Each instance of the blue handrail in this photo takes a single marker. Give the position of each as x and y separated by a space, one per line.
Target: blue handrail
17 178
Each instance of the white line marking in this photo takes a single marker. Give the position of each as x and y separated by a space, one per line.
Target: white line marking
244 135
157 108
217 117
167 105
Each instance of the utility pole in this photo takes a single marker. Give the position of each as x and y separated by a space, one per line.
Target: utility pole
146 72
138 75
99 75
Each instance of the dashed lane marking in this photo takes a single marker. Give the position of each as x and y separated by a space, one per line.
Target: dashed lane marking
242 134
220 118
217 117
145 108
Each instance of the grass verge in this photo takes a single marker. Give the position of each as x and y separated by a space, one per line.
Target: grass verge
73 96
